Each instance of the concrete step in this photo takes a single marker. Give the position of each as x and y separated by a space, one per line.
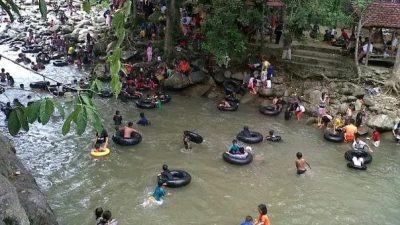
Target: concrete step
318 48
316 61
308 70
318 55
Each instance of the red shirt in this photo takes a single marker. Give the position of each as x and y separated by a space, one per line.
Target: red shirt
345 35
376 136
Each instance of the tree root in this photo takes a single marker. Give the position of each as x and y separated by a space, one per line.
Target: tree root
392 86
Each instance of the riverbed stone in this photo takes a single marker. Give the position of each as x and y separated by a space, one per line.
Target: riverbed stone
21 200
66 29
343 107
368 101
266 92
237 76
227 74
197 76
381 121
177 81
314 97
197 90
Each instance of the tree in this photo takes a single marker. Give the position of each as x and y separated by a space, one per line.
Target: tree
84 109
224 38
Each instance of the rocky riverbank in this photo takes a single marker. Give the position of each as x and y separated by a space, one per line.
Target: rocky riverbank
21 201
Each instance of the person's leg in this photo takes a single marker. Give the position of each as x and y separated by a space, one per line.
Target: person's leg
284 54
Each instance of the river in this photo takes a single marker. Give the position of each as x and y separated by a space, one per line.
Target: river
220 193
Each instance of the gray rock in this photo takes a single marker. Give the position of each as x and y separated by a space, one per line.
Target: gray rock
238 76
197 90
197 76
20 198
315 96
219 77
177 81
66 29
266 92
227 74
351 98
343 107
381 121
368 102
346 91
277 80
359 92
83 23
126 55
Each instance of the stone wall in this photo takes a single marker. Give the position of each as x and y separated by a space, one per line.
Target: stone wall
21 201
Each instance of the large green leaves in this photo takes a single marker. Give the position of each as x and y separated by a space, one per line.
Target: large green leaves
13 123
43 9
46 110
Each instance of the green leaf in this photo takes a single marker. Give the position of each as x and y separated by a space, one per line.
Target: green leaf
116 84
75 113
86 6
32 111
86 100
43 9
13 123
96 121
67 124
46 110
13 6
22 118
59 107
81 121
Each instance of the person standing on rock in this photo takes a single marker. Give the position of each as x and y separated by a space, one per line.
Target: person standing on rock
149 52
322 107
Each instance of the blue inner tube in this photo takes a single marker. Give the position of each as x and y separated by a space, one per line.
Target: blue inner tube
43 58
119 139
358 153
351 165
255 137
234 107
273 139
145 104
270 110
59 63
166 99
330 136
39 84
106 94
194 137
180 178
237 161
231 86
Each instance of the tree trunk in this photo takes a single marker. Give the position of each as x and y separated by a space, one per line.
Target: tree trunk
169 29
133 10
359 26
396 68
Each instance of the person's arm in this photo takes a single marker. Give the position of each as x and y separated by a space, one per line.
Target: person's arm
369 148
307 164
106 143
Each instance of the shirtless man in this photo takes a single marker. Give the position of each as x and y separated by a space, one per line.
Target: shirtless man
128 130
300 163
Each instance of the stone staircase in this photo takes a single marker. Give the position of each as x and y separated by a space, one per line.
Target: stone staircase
315 62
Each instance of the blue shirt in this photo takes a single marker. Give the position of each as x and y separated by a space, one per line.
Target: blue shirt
247 223
143 121
234 149
159 193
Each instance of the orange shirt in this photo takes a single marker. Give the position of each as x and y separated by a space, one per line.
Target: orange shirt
350 132
264 219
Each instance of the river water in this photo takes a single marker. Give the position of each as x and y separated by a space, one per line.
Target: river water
220 193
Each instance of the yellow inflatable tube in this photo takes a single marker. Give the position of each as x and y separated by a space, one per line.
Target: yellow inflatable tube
100 154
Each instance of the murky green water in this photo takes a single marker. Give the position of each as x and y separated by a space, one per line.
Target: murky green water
220 193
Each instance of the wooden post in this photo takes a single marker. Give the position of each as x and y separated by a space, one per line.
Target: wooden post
369 46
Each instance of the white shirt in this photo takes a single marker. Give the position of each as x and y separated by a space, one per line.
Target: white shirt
394 42
365 47
301 108
358 146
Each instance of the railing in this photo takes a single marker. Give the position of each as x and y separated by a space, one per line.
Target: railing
389 1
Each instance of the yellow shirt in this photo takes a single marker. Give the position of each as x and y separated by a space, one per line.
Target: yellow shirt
71 50
339 122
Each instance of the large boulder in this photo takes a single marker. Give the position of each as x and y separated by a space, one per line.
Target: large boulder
314 97
238 76
21 201
126 55
266 92
382 122
197 90
66 29
197 75
83 23
177 81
